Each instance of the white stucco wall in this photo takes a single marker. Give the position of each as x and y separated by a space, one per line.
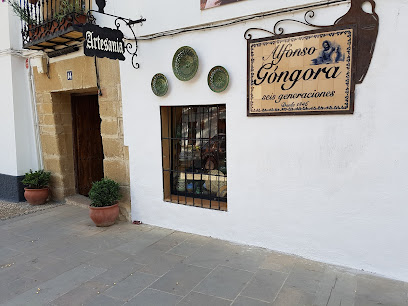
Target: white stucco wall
329 188
168 15
16 119
5 37
8 157
26 147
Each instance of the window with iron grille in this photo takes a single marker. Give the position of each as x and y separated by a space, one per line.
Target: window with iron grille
195 155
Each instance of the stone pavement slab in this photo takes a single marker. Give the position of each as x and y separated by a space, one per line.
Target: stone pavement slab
86 292
154 297
103 300
181 279
265 285
53 289
213 254
131 286
199 299
225 282
60 254
246 301
186 248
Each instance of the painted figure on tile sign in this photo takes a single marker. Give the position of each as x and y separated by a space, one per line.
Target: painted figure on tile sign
206 4
326 55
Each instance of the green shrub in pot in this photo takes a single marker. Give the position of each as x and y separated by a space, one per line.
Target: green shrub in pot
104 195
36 190
37 179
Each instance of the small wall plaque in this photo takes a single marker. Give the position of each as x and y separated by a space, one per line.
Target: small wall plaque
69 75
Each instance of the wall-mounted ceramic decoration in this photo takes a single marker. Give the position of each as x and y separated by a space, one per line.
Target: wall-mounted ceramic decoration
159 85
185 63
218 79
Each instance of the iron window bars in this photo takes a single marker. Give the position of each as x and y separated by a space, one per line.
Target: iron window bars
194 155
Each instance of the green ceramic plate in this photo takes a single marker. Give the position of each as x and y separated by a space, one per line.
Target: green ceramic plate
185 63
159 85
218 79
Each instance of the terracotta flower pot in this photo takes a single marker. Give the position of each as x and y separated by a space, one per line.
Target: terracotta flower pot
104 216
36 196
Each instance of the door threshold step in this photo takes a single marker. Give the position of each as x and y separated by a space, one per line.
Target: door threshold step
78 200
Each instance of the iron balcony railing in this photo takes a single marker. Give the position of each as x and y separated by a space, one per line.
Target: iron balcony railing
45 20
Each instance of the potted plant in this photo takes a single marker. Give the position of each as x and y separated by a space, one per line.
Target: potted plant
73 12
36 191
104 207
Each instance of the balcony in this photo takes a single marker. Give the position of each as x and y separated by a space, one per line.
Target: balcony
51 25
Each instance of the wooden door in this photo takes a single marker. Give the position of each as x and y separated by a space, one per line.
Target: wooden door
88 150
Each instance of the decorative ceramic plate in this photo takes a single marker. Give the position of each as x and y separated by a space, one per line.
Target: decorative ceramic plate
185 63
159 85
218 79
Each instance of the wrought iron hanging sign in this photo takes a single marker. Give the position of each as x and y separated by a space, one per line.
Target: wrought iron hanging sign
110 43
311 72
103 42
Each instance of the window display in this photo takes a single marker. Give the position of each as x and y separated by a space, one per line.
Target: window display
194 155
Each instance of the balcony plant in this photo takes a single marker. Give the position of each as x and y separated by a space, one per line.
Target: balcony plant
36 191
22 12
67 8
68 13
104 196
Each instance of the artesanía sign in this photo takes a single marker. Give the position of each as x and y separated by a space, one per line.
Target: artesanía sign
303 73
103 42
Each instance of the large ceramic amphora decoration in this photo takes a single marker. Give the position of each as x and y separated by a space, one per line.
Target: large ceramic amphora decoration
101 5
367 31
104 196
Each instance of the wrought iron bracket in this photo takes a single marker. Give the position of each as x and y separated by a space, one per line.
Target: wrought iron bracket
119 21
278 30
367 25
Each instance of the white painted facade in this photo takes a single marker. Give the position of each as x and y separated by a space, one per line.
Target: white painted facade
19 149
328 188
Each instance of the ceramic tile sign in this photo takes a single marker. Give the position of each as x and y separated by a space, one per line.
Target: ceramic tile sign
103 42
206 4
302 74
